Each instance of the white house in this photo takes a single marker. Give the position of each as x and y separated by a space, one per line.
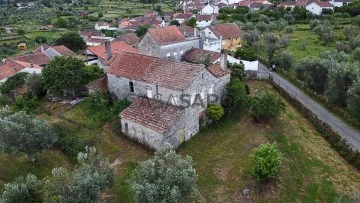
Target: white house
204 20
209 9
182 17
211 44
340 3
317 7
103 26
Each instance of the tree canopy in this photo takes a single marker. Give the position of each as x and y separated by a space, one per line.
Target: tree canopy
167 177
71 40
21 132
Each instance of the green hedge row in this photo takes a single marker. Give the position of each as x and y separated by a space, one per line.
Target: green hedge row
336 141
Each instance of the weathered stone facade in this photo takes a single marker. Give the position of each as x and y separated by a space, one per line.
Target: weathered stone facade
148 46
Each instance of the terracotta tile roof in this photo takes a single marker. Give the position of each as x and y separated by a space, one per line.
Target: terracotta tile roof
91 33
204 17
101 23
169 74
63 50
245 3
324 4
166 35
185 16
129 38
186 29
217 72
227 30
37 58
98 85
152 114
196 55
94 40
11 67
116 47
301 3
38 50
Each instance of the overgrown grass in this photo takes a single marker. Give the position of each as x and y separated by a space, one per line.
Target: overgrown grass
311 171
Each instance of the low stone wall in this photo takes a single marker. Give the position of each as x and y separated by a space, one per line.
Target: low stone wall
336 141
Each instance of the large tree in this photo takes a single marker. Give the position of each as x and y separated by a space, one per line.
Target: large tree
71 40
237 94
271 43
21 132
353 98
341 78
63 73
167 177
266 107
84 184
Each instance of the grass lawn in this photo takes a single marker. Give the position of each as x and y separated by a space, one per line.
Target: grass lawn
311 172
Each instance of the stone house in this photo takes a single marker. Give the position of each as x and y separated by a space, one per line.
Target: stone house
129 39
229 33
177 94
166 43
99 54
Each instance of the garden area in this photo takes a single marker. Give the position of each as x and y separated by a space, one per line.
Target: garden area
310 171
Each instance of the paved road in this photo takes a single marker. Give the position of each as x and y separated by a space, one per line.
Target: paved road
344 130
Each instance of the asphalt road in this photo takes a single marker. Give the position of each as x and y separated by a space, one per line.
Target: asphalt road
346 131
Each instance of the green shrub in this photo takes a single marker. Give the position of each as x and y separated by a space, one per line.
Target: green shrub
266 160
266 107
27 103
13 82
215 112
3 101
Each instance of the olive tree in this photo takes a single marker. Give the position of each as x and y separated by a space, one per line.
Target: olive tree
350 32
285 60
271 43
353 98
21 132
85 183
341 77
356 54
167 177
22 190
266 160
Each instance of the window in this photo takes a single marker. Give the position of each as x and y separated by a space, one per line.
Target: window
175 53
131 85
148 92
211 90
126 128
192 99
181 52
203 75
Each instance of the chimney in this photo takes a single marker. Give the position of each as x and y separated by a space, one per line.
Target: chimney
32 65
108 50
42 49
223 60
195 32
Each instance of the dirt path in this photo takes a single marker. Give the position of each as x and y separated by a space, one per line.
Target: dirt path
344 130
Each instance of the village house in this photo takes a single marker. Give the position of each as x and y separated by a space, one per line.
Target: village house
204 20
166 43
32 63
209 9
317 7
169 98
99 54
132 24
103 26
183 17
188 31
86 35
340 3
210 57
129 39
229 34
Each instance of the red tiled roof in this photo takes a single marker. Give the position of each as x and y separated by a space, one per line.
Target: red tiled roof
217 71
226 31
185 16
129 38
204 17
152 114
324 4
116 47
195 55
301 3
99 85
11 67
166 35
94 40
245 3
63 50
169 74
186 29
37 58
91 33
